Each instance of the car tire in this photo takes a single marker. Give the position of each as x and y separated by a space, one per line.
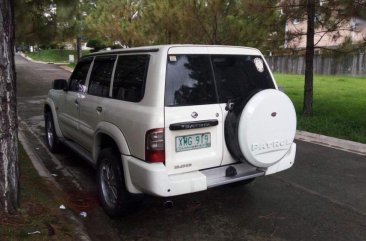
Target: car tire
231 126
52 141
112 191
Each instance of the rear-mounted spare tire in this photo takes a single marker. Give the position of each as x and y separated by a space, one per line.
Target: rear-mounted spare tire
260 129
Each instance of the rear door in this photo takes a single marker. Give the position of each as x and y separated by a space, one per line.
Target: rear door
93 105
193 117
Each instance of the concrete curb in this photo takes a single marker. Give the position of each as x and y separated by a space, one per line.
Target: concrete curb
37 164
344 145
44 173
67 68
39 62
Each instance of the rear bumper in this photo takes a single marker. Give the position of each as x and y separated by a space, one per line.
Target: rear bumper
152 178
285 163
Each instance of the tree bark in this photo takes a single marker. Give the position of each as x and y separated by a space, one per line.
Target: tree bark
309 60
78 48
9 170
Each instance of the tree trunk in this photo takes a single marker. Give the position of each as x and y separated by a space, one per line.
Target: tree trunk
309 60
78 48
79 32
9 170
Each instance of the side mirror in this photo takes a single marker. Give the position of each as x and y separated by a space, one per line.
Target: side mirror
60 84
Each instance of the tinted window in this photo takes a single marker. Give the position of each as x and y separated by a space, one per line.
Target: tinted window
100 78
193 79
129 77
239 75
189 81
78 77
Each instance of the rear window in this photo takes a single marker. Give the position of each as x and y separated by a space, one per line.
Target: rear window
239 75
189 81
210 79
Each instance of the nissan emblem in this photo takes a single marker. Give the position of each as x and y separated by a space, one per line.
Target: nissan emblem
194 114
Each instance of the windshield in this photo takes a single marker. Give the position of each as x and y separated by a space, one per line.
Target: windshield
211 79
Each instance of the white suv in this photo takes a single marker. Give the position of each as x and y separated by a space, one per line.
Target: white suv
173 119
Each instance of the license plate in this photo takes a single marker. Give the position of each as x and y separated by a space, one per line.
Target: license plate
192 142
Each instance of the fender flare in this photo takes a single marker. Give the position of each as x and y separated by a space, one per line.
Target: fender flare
113 132
49 102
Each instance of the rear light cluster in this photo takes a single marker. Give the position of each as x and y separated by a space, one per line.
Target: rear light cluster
155 146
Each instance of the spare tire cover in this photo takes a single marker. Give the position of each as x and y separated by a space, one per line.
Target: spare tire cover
266 128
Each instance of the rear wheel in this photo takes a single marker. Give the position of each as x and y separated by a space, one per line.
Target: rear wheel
52 140
113 194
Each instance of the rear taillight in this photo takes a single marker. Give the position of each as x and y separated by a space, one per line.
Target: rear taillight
154 145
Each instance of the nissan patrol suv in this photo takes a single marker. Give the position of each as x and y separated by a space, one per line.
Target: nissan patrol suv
171 120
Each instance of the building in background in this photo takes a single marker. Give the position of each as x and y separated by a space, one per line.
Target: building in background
353 30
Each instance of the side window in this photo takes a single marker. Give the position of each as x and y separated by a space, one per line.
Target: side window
78 77
129 78
101 75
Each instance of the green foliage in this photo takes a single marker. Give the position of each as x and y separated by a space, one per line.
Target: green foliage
67 17
115 21
339 105
230 22
34 21
53 55
95 44
143 22
48 22
162 21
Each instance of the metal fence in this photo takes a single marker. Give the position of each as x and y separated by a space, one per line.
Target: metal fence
352 64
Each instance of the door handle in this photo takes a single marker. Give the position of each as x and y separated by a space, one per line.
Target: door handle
99 109
76 104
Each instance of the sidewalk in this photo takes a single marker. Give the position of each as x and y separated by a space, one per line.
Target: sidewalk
25 134
345 145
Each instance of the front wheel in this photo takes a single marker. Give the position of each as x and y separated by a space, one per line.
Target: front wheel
52 140
115 198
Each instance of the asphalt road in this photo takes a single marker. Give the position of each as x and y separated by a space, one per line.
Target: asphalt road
322 197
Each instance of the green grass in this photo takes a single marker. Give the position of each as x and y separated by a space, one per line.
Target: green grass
53 55
72 65
339 105
38 209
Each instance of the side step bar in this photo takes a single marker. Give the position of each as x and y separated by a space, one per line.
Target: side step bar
217 176
79 150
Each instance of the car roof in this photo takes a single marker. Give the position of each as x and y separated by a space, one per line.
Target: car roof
156 48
